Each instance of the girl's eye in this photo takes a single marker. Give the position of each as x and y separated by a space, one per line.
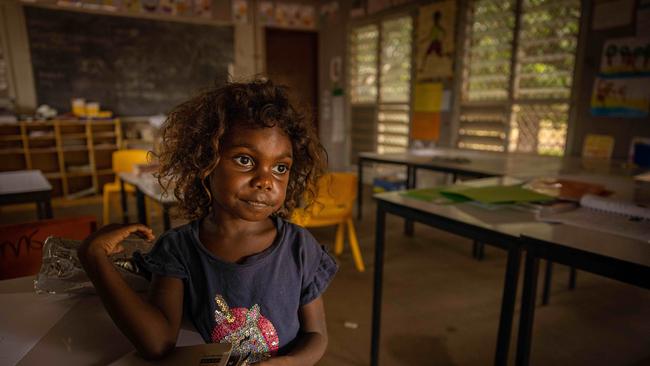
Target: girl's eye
280 169
244 161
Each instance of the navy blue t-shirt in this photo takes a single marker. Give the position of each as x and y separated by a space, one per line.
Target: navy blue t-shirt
253 305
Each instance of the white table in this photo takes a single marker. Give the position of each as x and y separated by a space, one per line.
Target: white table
145 185
41 329
610 255
26 186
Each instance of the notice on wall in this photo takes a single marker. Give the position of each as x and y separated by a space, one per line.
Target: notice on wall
626 56
627 97
435 40
240 11
425 124
612 13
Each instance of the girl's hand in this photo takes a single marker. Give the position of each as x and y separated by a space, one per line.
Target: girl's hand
108 239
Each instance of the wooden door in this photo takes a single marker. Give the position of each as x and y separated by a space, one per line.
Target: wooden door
292 60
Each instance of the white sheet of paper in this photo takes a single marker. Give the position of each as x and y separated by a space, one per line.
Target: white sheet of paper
26 318
612 13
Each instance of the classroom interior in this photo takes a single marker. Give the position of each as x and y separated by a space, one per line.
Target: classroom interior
421 92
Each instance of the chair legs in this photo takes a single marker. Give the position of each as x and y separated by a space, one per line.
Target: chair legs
338 244
354 246
354 243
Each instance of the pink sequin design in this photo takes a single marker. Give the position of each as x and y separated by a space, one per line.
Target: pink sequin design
250 333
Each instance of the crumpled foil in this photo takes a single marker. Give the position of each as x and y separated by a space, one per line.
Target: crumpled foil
61 270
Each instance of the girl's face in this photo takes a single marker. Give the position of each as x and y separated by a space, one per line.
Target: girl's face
250 180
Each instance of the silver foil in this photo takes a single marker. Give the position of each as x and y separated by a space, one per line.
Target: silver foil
61 270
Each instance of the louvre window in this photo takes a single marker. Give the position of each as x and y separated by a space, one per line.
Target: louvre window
380 85
524 108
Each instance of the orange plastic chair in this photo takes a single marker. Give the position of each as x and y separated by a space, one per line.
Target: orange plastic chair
333 205
21 246
123 162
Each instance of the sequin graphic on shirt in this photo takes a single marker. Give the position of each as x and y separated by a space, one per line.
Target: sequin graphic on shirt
253 336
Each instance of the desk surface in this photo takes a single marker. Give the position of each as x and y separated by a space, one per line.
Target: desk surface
510 220
482 163
23 181
60 329
149 185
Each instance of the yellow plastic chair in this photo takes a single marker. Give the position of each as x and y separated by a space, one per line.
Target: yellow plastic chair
333 205
123 162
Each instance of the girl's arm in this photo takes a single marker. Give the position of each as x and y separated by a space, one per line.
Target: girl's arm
312 343
151 324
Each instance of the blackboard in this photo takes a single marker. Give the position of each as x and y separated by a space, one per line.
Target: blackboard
131 66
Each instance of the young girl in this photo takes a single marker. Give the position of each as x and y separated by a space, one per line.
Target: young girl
241 158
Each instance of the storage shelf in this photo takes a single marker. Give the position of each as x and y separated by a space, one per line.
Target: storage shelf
73 135
11 151
43 150
11 138
54 146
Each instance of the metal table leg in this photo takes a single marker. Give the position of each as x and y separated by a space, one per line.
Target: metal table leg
527 315
125 207
377 286
508 305
142 214
359 188
546 293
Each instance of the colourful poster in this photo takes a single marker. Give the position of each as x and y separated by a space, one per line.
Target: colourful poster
425 124
266 12
626 56
240 11
435 40
428 97
621 97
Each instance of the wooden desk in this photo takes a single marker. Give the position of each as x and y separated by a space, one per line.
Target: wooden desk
26 186
617 257
42 329
145 185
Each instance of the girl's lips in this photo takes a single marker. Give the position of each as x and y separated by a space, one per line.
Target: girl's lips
257 204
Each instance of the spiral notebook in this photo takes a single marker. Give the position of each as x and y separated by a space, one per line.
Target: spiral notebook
607 215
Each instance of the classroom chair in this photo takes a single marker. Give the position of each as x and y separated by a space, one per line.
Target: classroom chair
333 205
123 161
21 249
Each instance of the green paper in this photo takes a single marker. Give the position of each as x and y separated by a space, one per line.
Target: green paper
497 194
434 195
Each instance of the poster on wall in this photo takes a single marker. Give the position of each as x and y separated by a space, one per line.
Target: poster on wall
627 97
240 11
425 124
626 56
266 12
435 40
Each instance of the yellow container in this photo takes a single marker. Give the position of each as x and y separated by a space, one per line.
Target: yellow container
92 109
79 107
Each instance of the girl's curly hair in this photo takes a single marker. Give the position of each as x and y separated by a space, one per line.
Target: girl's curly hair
194 131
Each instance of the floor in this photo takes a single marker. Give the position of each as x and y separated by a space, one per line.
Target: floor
441 306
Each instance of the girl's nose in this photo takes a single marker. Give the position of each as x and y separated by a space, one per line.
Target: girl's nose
263 181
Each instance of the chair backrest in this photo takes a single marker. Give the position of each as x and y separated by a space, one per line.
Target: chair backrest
125 160
21 245
598 146
337 188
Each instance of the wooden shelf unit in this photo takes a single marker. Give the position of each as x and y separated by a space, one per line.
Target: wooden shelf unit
75 156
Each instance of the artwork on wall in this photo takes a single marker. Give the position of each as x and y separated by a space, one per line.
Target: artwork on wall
435 40
425 124
240 11
612 14
626 56
621 97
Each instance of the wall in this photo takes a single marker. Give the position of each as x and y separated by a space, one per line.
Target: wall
622 129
